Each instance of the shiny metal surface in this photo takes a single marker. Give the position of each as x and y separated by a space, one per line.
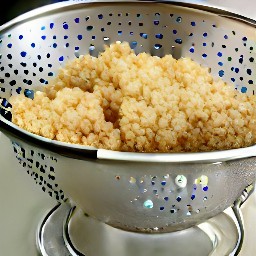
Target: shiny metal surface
144 197
147 192
23 204
87 236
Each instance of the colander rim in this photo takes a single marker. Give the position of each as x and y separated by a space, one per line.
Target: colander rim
87 152
48 8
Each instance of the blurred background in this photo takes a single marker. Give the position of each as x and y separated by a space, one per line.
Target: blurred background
17 7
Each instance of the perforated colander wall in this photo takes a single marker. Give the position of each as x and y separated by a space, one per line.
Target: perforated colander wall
32 52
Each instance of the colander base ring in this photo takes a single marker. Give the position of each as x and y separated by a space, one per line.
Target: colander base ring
66 231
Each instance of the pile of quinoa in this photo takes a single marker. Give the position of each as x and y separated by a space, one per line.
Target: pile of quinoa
141 103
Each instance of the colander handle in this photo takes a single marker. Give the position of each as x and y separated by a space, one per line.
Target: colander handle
239 216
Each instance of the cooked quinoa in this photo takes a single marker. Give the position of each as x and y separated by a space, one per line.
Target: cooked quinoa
137 102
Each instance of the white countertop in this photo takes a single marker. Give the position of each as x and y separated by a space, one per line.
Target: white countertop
23 205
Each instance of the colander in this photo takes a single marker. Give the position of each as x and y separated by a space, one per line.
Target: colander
141 192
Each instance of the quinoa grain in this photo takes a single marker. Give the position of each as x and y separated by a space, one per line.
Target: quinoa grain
141 103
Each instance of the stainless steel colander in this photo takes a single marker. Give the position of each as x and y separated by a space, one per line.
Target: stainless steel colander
140 192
